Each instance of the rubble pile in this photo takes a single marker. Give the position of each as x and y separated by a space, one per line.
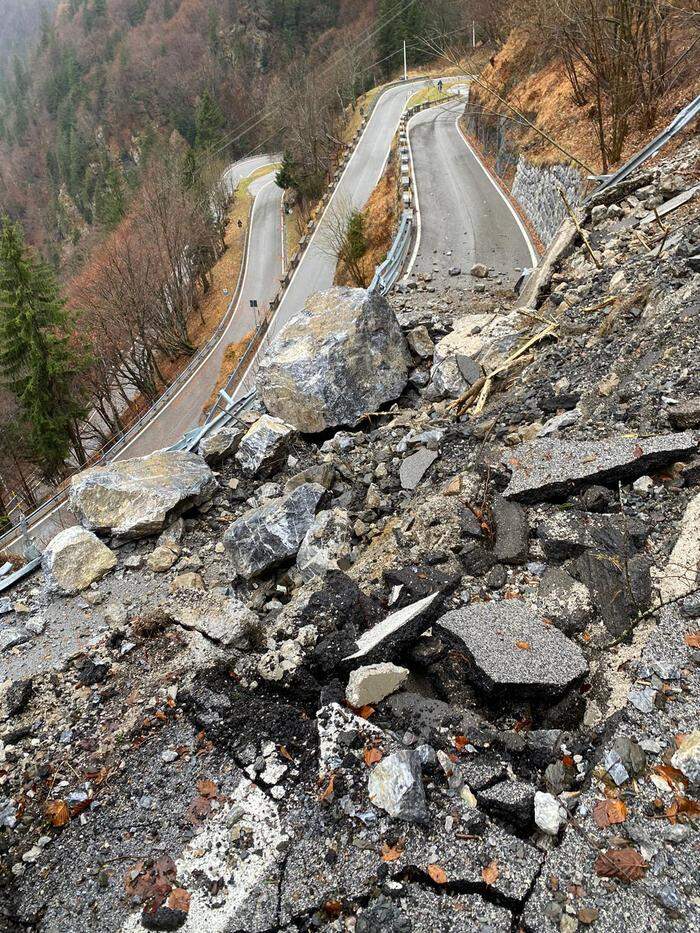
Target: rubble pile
415 649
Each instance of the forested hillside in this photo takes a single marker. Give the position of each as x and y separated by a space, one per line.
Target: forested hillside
111 80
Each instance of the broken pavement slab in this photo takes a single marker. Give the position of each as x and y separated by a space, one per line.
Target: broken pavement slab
511 649
553 469
373 683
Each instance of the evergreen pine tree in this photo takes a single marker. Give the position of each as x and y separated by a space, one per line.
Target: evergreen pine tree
35 357
209 122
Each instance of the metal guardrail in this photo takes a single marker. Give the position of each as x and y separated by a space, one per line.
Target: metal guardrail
682 119
388 272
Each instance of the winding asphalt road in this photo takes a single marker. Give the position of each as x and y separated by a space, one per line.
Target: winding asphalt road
316 269
491 234
463 216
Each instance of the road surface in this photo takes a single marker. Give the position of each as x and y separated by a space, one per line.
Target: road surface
264 268
316 270
463 217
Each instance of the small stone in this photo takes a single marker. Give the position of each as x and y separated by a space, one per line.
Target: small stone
643 485
455 271
169 755
550 815
188 581
161 559
221 444
396 786
372 683
479 270
414 468
686 414
420 343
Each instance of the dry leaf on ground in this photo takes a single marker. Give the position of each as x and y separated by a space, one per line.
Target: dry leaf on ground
490 873
437 874
57 813
608 812
625 864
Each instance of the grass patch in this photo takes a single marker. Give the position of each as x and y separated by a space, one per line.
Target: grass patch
430 93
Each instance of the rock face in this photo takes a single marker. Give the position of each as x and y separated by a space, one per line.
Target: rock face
267 536
264 446
74 559
396 785
134 498
373 683
510 648
545 469
342 356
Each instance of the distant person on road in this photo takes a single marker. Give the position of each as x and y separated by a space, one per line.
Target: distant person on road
440 86
240 224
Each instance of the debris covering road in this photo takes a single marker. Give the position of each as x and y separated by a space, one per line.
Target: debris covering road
437 669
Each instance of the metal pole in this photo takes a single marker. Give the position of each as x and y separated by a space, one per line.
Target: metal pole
473 34
405 70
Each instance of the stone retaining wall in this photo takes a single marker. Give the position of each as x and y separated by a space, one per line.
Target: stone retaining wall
538 190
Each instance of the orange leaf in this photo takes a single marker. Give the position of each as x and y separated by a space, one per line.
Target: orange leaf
391 853
523 645
372 756
692 639
365 712
57 813
625 864
207 788
461 741
437 874
326 793
490 873
179 899
284 753
607 812
682 806
672 776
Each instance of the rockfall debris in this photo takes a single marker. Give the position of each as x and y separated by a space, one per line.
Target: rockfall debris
423 654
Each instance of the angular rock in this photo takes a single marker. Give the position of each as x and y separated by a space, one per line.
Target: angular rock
398 628
326 545
414 468
396 785
510 649
512 531
553 469
267 536
134 498
342 356
74 559
162 558
620 589
419 341
373 683
13 635
479 270
264 446
686 414
550 816
221 444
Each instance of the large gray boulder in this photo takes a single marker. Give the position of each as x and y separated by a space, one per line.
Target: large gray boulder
134 498
267 536
342 356
74 559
